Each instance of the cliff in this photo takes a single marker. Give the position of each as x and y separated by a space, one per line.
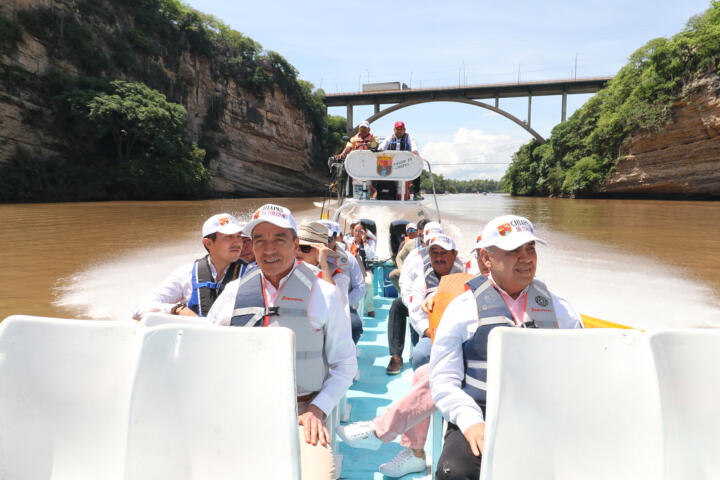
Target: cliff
260 136
683 158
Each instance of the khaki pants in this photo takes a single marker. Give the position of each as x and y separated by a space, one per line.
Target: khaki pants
316 461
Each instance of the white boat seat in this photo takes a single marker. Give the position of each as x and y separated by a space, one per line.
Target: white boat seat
689 379
64 397
214 403
566 405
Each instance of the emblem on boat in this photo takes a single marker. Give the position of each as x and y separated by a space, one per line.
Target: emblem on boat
384 165
542 301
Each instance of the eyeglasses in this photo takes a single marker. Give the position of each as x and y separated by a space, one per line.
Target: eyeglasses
306 248
412 230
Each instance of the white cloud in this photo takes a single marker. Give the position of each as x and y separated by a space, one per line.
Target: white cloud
483 149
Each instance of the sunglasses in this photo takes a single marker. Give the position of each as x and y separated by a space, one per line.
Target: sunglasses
306 248
411 230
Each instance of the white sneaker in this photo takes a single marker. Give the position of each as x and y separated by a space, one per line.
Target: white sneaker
404 462
359 435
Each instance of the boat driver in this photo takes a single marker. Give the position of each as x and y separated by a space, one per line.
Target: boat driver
192 288
282 291
509 296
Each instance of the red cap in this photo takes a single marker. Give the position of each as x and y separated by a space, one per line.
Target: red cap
399 124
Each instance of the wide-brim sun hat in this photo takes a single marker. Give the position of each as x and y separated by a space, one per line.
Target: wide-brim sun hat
508 232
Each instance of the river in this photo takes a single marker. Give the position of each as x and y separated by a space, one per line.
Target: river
644 263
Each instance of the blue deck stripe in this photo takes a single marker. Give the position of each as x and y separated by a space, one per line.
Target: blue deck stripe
373 392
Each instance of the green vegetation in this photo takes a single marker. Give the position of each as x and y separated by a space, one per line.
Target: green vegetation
128 139
134 145
582 151
443 184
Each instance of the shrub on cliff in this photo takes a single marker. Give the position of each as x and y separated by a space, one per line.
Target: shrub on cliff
582 151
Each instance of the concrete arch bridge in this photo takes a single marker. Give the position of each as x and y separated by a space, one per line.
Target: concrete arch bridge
469 94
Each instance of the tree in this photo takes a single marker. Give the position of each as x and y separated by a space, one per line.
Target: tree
134 112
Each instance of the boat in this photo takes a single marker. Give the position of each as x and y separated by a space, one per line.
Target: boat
120 400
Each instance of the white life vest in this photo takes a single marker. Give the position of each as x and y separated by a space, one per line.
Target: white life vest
311 366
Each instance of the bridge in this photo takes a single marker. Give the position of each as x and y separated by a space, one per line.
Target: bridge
470 94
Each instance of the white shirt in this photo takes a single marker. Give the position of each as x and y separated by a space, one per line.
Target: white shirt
176 288
447 369
325 311
412 269
357 281
411 143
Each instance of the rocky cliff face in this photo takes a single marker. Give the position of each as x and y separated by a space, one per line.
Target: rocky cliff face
681 160
266 142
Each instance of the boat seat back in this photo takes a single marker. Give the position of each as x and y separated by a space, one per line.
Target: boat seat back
64 397
689 381
571 404
213 402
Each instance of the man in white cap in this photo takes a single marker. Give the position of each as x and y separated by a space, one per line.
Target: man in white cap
509 296
363 140
246 254
443 260
192 288
350 267
284 292
410 261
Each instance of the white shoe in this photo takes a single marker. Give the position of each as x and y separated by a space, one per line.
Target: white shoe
359 435
404 462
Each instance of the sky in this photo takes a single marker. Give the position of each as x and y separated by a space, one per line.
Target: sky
338 46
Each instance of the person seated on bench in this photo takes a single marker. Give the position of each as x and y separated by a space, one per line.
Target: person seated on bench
282 291
192 288
509 296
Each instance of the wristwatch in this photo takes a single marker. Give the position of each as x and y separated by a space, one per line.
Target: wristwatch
178 306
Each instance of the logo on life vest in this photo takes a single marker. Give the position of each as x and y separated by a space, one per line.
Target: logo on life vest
384 165
542 301
291 298
504 229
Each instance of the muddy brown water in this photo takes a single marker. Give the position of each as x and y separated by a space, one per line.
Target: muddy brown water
636 261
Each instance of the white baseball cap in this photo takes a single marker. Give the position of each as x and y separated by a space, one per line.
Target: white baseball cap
222 223
336 228
275 214
508 232
478 240
364 123
410 225
443 241
432 227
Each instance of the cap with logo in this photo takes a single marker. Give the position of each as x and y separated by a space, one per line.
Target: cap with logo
443 241
432 227
411 226
478 239
508 232
221 223
275 214
364 123
399 124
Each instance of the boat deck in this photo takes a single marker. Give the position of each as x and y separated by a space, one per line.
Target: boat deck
373 392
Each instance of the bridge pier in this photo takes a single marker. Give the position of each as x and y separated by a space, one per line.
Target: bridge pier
564 105
497 102
377 108
349 119
529 109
